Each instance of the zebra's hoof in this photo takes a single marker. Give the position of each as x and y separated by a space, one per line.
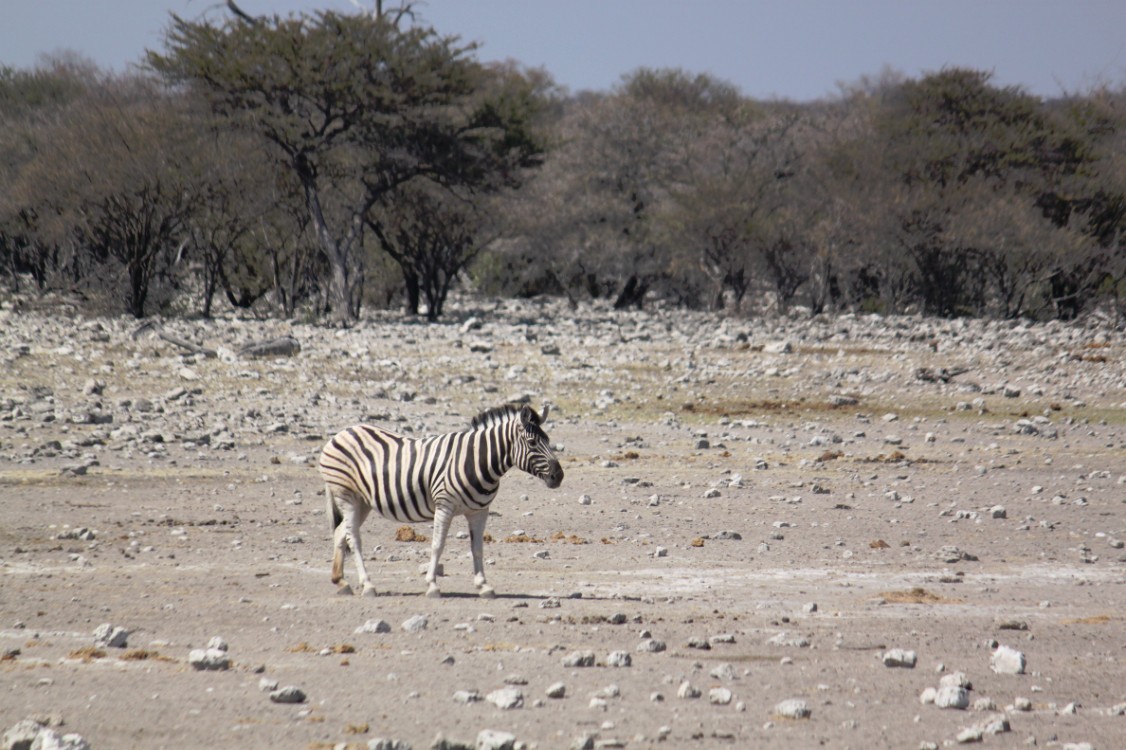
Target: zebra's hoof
433 592
486 592
344 590
369 590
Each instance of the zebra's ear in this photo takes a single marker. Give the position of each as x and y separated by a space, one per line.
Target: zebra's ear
528 416
543 414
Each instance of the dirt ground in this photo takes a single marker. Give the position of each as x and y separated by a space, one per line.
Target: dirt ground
777 519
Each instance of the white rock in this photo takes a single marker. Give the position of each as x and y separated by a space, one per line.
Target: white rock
415 624
49 739
957 679
898 657
110 636
969 734
1007 660
619 659
794 708
556 690
952 696
579 659
374 626
686 690
288 694
506 698
209 659
719 696
492 739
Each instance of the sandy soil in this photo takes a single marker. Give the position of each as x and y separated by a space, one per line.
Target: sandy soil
855 507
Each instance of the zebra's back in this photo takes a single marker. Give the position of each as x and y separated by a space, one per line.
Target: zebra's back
394 474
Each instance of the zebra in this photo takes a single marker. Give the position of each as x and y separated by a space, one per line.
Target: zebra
412 480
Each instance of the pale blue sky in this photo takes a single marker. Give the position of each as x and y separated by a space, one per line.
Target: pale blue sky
795 49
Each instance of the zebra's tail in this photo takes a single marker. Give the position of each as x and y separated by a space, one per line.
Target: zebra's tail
335 518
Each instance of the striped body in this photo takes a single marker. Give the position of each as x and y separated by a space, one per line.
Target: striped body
400 476
412 480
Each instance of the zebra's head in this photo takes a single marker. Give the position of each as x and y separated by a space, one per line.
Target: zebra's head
533 452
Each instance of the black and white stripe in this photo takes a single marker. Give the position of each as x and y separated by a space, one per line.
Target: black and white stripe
412 480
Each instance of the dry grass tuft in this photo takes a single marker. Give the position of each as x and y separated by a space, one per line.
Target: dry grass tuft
408 534
560 536
1092 620
521 539
917 595
88 654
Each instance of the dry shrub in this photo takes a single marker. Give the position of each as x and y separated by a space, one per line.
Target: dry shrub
878 544
560 536
302 648
141 654
1092 620
917 595
408 534
88 654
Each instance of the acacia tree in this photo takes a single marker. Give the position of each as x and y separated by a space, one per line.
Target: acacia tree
354 106
32 102
109 183
952 141
433 237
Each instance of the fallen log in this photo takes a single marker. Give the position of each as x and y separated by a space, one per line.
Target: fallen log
154 327
283 346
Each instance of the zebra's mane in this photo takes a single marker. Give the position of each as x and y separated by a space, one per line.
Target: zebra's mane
499 414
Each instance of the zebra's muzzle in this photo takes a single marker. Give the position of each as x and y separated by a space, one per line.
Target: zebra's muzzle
554 476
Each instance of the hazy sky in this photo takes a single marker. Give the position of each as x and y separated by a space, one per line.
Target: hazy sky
795 49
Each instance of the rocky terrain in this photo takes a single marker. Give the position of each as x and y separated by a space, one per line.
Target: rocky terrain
844 532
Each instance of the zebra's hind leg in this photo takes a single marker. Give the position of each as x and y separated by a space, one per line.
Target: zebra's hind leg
477 549
339 539
443 515
353 512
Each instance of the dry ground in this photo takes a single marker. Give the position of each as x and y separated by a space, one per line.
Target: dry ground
858 533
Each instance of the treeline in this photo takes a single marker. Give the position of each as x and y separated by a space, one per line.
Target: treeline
321 163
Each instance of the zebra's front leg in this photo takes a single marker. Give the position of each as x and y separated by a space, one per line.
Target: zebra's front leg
443 515
477 549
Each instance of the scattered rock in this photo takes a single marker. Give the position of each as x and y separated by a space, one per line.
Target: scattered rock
380 743
288 694
1007 660
492 739
506 698
719 696
209 659
619 659
794 708
952 696
579 659
898 657
375 626
110 636
415 624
